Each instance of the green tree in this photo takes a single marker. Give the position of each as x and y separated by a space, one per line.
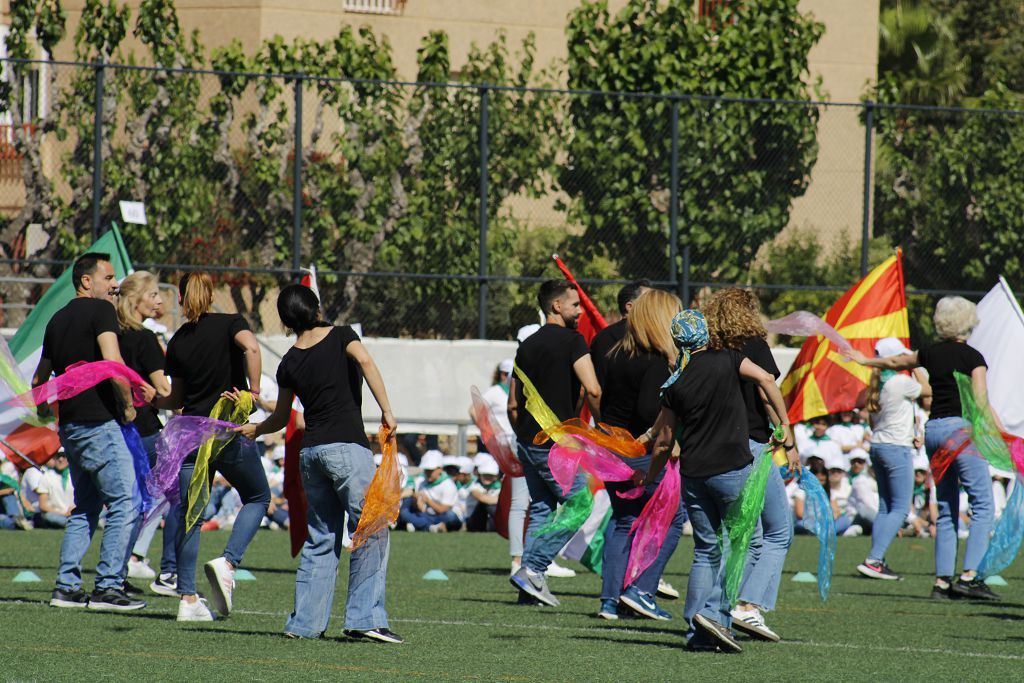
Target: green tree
990 35
740 164
919 61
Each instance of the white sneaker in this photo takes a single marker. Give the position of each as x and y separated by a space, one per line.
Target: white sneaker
222 584
194 611
666 590
687 528
439 528
559 572
410 528
752 623
854 530
140 569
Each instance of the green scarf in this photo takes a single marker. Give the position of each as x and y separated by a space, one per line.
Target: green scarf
504 386
427 484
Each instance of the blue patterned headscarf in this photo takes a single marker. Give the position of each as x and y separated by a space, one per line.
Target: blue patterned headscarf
689 331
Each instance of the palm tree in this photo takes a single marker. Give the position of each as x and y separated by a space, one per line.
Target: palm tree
918 55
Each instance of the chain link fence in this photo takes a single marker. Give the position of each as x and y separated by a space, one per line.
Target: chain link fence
432 210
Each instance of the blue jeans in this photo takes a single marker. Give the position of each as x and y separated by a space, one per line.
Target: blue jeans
239 462
618 541
545 495
335 477
971 471
421 521
770 542
49 520
10 505
894 471
707 499
103 475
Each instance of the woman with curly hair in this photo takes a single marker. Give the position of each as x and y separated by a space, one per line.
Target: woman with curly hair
734 323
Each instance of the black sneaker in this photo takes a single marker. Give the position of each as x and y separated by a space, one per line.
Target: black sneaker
78 598
873 569
940 593
115 600
717 634
382 635
975 589
130 590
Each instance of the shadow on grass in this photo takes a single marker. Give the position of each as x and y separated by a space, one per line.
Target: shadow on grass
487 571
611 638
1003 616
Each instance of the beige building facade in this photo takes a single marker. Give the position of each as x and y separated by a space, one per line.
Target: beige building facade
845 59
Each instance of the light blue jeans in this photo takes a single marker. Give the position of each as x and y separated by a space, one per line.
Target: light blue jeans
545 495
336 477
707 500
240 464
969 470
894 471
770 542
102 474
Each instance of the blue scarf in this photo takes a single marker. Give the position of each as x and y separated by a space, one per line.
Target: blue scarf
689 331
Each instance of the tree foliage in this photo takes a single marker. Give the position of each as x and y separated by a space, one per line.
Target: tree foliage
740 164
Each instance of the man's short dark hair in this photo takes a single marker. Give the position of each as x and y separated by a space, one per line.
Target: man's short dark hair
86 264
550 291
630 292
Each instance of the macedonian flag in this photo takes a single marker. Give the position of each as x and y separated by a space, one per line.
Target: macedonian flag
821 381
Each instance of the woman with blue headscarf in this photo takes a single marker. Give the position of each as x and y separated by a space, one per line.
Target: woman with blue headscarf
703 409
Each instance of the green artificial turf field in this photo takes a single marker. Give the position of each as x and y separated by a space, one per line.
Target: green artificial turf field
468 628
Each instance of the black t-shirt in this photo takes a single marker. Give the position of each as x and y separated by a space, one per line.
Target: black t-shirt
629 397
940 360
601 344
711 419
70 338
547 357
329 384
205 356
757 350
142 353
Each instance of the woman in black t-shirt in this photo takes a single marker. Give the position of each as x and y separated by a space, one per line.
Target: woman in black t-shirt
734 323
702 408
954 318
635 369
211 355
325 369
139 300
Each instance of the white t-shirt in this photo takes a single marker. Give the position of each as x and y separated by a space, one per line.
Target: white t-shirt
268 392
497 400
794 493
445 493
894 422
29 483
802 434
60 497
850 438
841 495
864 497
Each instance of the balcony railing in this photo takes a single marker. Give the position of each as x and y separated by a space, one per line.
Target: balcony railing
375 6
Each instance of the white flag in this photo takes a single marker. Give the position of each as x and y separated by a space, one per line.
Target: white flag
999 337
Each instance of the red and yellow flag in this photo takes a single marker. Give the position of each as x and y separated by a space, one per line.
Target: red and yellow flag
821 381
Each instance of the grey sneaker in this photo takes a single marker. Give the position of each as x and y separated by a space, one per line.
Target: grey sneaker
534 585
717 633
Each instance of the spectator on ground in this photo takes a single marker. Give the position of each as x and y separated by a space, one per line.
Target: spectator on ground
815 440
432 507
852 436
482 502
50 493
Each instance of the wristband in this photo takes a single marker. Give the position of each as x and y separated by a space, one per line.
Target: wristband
789 446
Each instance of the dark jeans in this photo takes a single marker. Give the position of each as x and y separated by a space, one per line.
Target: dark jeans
240 464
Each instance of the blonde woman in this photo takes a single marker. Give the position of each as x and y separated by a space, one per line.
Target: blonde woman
139 300
954 319
211 354
635 368
735 323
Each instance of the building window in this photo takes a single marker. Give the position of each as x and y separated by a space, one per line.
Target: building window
708 9
375 6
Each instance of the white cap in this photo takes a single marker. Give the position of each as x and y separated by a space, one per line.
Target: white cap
921 462
431 460
450 461
890 346
378 459
837 461
484 460
488 468
466 464
525 331
506 366
403 460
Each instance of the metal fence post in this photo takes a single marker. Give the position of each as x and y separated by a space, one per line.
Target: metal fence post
865 236
297 181
97 151
673 209
482 289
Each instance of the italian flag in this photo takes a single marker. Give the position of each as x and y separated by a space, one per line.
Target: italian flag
24 444
587 546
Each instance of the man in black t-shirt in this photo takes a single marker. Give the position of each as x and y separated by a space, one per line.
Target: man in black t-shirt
85 330
557 361
607 338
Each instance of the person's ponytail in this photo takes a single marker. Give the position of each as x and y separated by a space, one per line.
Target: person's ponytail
874 391
196 292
